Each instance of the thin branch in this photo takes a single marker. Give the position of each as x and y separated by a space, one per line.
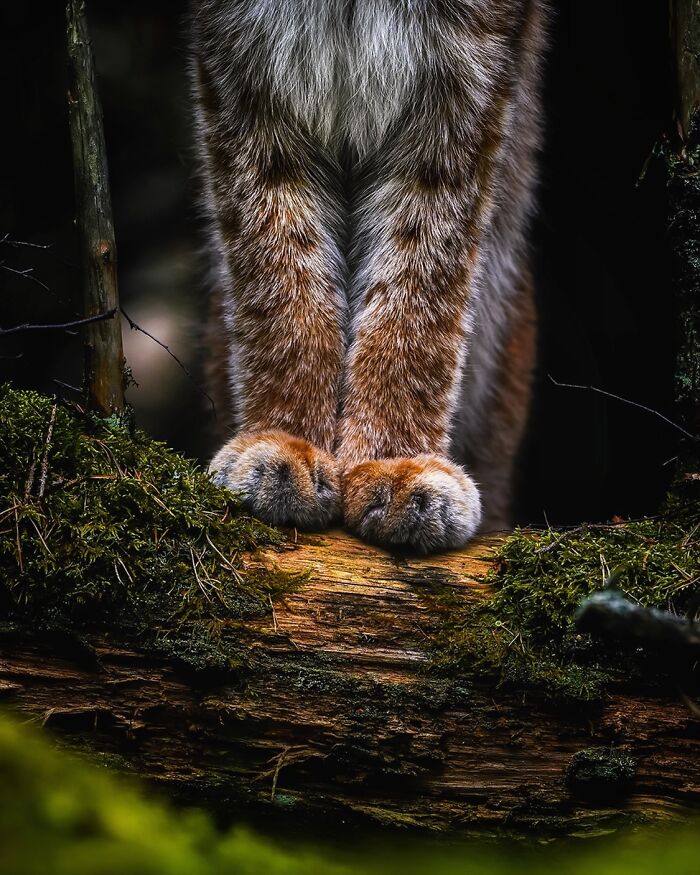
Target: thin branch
46 247
30 480
136 327
27 274
608 614
7 239
28 326
693 437
47 448
63 385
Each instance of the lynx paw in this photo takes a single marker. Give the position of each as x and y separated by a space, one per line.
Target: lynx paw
425 503
281 479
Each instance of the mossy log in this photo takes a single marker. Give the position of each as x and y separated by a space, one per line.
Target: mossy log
337 712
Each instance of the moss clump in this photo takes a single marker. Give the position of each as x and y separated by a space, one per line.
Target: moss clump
601 772
97 521
683 186
525 634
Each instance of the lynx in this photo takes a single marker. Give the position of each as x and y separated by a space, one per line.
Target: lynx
368 171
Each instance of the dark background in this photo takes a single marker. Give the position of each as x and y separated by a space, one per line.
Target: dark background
606 307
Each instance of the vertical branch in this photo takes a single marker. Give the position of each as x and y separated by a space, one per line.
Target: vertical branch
682 158
104 357
685 38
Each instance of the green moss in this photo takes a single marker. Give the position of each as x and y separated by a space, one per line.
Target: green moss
97 520
601 772
683 189
525 634
123 525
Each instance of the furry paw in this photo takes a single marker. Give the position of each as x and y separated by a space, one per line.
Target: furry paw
425 503
281 479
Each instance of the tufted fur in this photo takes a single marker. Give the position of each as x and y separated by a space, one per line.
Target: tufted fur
281 478
368 169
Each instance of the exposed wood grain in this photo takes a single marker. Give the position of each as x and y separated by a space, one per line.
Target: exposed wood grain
339 717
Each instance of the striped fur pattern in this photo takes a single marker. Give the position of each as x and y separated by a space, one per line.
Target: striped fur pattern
368 169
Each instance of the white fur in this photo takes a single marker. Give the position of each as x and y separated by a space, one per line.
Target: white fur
347 68
346 71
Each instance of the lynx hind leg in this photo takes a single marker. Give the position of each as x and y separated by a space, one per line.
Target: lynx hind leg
424 503
495 441
216 344
282 479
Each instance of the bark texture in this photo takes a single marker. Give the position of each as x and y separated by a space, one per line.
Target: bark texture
682 156
104 358
337 713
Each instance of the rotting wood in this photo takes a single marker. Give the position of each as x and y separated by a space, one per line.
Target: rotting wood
341 718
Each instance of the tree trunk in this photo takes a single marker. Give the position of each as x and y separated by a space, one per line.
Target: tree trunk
682 158
104 357
342 718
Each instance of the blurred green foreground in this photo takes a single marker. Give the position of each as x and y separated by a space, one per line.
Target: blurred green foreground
63 816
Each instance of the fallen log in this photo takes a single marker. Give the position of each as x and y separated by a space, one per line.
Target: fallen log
337 712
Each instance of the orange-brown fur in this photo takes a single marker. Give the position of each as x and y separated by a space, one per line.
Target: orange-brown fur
281 478
419 502
368 168
217 342
497 445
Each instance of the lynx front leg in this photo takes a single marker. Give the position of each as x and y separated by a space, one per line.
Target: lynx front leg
420 224
403 368
275 220
282 479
